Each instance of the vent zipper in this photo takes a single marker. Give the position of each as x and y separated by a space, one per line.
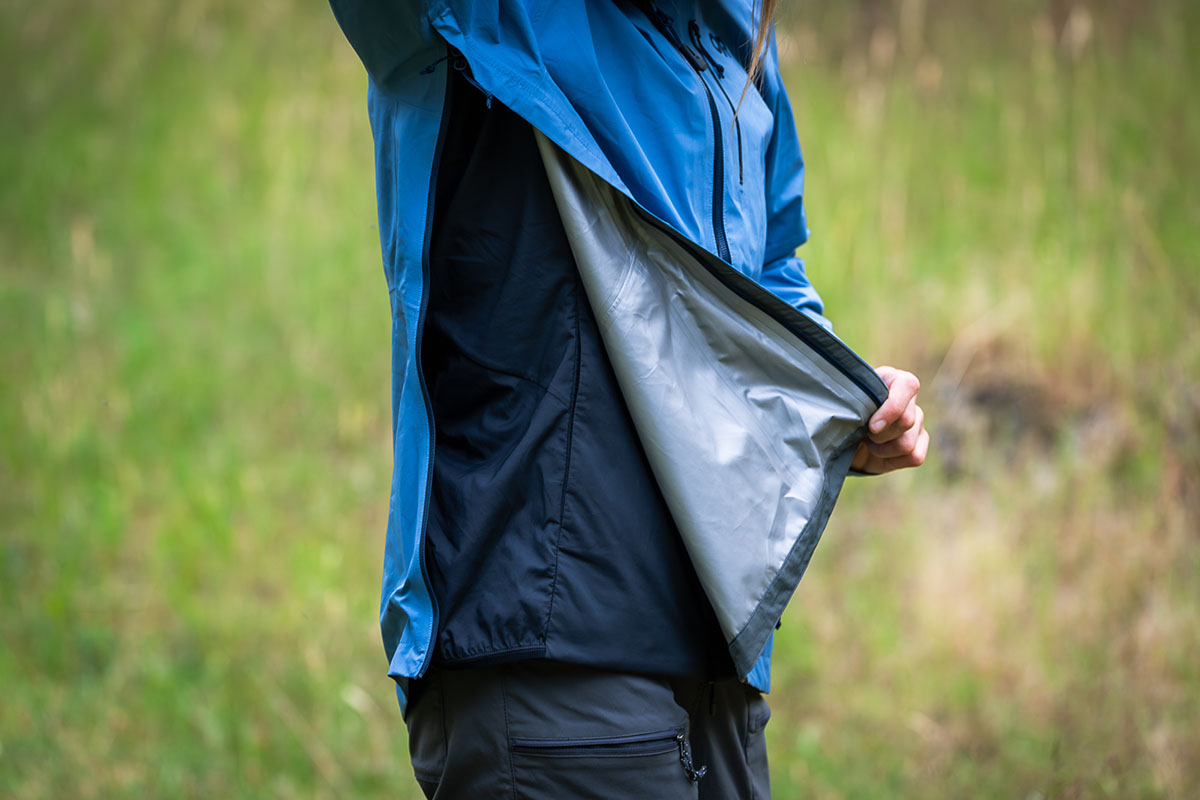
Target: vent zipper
462 66
429 203
719 71
459 62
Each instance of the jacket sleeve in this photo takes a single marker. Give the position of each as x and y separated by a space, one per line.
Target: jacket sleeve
783 272
386 34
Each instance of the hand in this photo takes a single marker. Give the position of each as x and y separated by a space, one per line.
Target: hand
896 435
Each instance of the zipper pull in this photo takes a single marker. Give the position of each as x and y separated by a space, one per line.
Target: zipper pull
696 61
460 64
698 43
685 757
666 26
429 69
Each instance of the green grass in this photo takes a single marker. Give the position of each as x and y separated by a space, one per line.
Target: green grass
194 430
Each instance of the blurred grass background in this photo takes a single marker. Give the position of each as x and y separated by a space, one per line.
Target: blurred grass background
194 430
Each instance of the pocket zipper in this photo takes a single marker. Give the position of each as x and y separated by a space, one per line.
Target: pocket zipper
666 26
642 744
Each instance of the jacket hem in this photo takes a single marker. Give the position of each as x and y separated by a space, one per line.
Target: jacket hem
748 644
494 656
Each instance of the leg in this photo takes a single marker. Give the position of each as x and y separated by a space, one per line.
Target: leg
728 721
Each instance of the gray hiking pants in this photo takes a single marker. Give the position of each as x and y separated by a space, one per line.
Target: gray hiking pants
534 729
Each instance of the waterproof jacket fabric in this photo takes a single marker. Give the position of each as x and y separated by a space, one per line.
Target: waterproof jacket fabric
643 98
547 535
749 411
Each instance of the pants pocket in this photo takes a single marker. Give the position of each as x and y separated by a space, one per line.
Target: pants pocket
642 744
655 764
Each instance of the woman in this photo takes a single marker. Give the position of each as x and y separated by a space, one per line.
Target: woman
608 363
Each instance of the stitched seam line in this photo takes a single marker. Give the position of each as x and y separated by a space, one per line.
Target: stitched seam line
459 656
562 508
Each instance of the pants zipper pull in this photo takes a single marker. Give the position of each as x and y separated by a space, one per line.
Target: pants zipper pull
685 757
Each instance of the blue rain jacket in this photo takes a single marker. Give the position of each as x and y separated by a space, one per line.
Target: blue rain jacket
635 105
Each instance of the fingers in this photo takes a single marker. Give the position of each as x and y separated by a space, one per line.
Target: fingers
862 457
898 412
905 422
866 461
905 435
896 437
915 458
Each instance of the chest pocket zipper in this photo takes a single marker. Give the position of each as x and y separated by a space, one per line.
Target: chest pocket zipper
719 74
666 26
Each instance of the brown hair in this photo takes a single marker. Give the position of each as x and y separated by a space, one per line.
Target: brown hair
766 19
